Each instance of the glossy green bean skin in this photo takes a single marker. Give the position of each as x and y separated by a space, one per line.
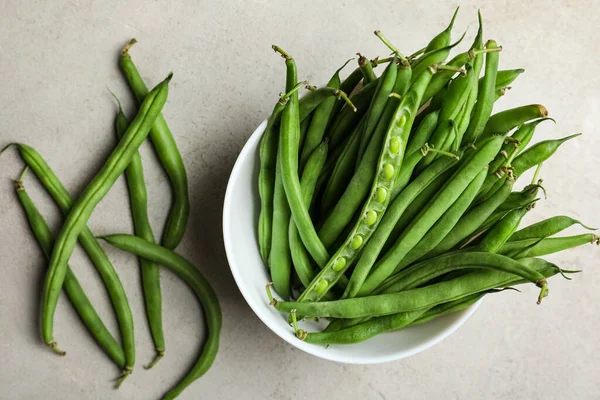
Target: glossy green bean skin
321 118
423 132
73 289
519 141
95 190
109 276
537 154
360 183
349 84
504 121
375 245
343 171
502 230
554 245
433 57
300 257
390 161
289 151
361 332
457 95
385 85
504 78
415 207
138 199
366 68
169 156
446 222
266 182
280 259
466 172
439 141
410 300
347 118
443 38
485 97
547 227
420 274
447 308
472 220
187 272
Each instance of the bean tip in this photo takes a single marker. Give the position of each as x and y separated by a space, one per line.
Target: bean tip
131 42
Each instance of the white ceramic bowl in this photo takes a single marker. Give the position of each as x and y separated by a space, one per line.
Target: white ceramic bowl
240 216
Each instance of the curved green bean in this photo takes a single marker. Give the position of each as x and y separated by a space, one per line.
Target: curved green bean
187 272
504 121
138 199
73 289
107 273
168 154
547 227
96 189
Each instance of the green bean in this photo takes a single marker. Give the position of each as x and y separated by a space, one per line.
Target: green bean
457 95
289 153
366 68
504 121
359 333
83 207
322 117
81 303
351 82
385 86
547 227
502 230
109 276
280 259
408 166
360 183
466 172
349 117
168 154
418 299
446 222
447 308
472 220
485 97
138 199
300 256
512 148
187 272
421 273
415 207
388 165
443 38
554 245
266 176
342 171
423 132
315 97
513 248
433 57
444 133
504 78
390 219
521 199
537 154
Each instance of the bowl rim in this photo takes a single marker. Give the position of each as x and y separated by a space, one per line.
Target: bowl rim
285 335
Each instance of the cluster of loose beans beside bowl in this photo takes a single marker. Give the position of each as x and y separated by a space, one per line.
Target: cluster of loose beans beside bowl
126 160
388 201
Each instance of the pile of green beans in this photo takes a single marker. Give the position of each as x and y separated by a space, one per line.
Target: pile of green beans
125 160
409 209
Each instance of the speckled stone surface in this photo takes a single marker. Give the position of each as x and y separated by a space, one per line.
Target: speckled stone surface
56 61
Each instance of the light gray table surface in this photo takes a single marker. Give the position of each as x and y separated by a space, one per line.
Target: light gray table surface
58 58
